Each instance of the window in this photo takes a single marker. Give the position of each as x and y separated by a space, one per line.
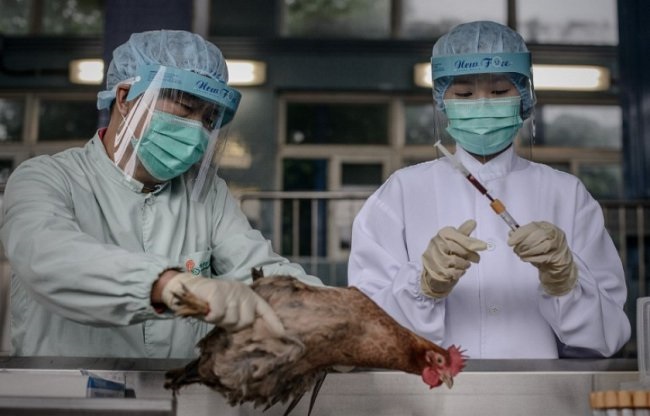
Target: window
46 122
420 128
359 177
6 167
337 123
361 174
55 17
12 118
590 126
66 120
14 18
555 21
336 18
430 19
43 123
603 181
300 237
574 22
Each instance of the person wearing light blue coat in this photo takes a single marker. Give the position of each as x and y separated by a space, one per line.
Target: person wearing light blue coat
101 238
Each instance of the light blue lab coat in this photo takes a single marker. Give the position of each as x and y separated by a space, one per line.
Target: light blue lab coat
85 246
497 309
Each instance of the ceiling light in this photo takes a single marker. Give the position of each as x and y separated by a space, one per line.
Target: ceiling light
571 77
86 71
545 77
241 72
246 73
422 75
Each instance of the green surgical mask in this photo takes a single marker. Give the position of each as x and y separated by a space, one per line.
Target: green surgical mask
484 126
171 145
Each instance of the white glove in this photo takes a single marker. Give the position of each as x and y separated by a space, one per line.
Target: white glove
232 305
544 246
447 258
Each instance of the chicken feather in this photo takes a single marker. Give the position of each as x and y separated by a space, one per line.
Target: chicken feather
325 327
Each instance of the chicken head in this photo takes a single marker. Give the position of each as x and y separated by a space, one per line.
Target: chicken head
442 368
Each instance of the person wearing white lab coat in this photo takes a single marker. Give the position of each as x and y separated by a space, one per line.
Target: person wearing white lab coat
429 249
101 238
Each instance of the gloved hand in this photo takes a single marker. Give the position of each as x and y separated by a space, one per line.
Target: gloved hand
544 246
447 258
232 305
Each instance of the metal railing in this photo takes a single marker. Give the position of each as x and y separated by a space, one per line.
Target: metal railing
311 228
288 218
628 223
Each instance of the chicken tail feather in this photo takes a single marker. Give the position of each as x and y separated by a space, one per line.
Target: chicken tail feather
293 404
179 377
315 390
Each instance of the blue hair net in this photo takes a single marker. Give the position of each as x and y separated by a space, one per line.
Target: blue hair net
174 48
483 37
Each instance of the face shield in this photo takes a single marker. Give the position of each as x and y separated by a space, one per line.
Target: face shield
482 100
175 126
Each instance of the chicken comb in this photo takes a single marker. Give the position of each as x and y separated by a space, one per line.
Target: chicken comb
456 359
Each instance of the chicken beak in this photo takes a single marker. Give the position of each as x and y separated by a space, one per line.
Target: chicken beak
447 379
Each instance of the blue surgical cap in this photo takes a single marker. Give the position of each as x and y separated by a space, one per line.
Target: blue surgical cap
483 37
173 48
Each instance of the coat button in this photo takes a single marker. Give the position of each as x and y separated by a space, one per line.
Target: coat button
491 245
492 309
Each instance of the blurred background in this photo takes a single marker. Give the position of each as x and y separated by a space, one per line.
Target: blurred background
336 96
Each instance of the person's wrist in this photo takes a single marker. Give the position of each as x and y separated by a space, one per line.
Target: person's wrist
561 283
160 284
427 283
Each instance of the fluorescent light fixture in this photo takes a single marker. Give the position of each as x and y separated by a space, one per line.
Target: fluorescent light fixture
86 71
545 77
246 73
422 75
241 72
571 77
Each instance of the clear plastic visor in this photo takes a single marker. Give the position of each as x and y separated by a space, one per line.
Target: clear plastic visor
168 133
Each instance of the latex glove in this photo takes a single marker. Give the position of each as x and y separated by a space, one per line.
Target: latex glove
544 246
448 256
233 305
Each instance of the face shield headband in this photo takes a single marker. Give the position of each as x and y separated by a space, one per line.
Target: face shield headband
480 63
183 80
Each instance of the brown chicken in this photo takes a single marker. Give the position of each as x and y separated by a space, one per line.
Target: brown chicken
325 327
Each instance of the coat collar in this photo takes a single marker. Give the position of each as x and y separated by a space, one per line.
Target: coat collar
108 169
496 168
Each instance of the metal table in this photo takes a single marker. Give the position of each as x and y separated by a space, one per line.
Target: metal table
486 387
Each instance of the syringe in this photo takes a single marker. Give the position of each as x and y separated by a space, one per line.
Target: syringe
496 205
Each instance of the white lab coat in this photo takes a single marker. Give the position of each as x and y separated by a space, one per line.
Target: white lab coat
497 309
85 246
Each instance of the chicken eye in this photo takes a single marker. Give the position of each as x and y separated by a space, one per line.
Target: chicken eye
440 360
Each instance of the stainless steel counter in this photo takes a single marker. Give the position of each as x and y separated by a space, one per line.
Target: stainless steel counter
486 387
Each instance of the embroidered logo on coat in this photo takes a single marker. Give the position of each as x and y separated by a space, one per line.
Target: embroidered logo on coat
192 267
